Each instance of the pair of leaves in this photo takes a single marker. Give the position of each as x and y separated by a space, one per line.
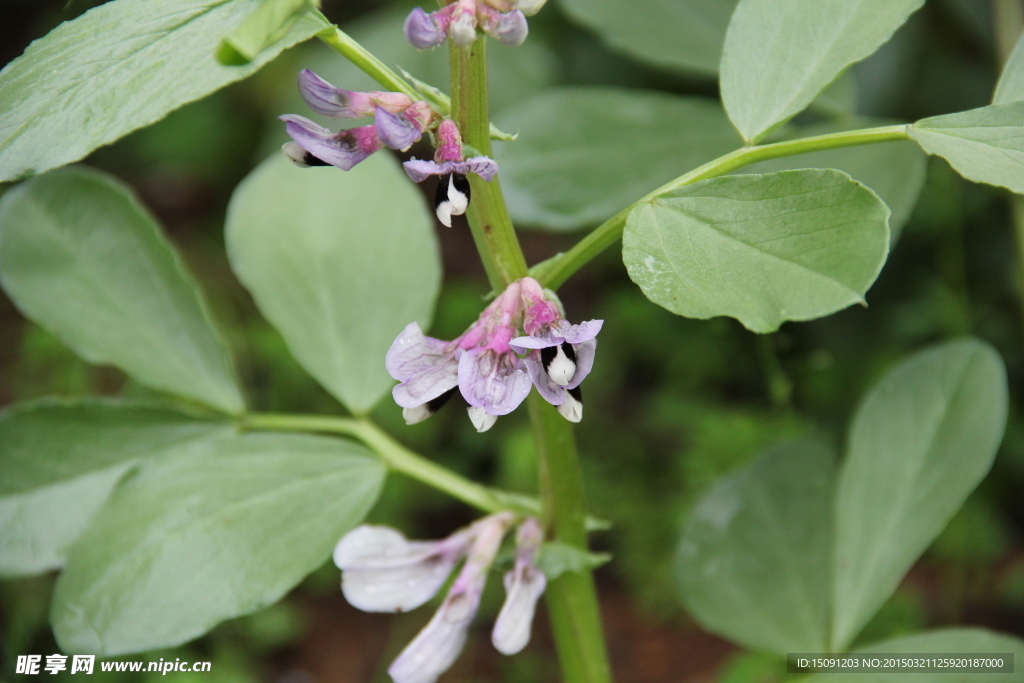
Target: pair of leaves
792 245
118 67
210 525
790 555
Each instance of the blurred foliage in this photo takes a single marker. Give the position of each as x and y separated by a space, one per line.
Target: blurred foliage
673 403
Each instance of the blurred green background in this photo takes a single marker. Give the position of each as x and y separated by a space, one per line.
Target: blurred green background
672 403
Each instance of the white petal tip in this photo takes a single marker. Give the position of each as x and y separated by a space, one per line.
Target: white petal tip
480 419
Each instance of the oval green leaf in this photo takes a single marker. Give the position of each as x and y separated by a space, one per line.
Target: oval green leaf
779 54
752 563
921 441
118 67
674 34
895 171
191 541
794 245
340 262
585 153
985 145
83 258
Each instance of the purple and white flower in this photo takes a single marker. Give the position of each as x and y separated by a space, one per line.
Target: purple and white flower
485 365
523 587
503 21
436 647
453 192
399 122
491 378
559 355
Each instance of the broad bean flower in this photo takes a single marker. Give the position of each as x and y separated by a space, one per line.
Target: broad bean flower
382 571
398 123
503 20
452 195
484 363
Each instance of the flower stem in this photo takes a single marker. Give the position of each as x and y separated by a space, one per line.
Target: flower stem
555 271
363 58
488 215
396 456
572 599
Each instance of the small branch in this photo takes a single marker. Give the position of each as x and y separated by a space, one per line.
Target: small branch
397 457
554 272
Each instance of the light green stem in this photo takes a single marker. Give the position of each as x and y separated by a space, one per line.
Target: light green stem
396 456
555 271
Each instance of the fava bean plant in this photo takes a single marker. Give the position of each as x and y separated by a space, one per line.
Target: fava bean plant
167 516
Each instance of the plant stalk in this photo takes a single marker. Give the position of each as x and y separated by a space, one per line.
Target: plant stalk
572 598
554 272
488 215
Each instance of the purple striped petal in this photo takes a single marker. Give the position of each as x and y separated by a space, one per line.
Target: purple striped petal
396 131
485 167
421 169
585 353
344 149
423 31
498 383
326 99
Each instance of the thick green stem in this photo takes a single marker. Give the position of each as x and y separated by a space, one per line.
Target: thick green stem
488 216
571 598
553 272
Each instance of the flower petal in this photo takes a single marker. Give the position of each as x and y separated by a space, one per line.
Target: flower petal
329 100
585 353
498 383
382 571
524 586
344 149
485 167
577 334
509 28
421 169
522 344
413 352
422 30
396 131
549 391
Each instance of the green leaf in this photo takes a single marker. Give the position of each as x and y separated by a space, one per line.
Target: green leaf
1010 87
191 541
555 559
794 245
753 561
895 171
60 460
675 34
779 54
118 67
975 641
268 24
340 262
83 258
38 527
985 145
585 153
921 441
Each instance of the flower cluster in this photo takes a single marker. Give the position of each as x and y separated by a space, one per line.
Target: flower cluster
503 20
382 571
398 123
492 365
